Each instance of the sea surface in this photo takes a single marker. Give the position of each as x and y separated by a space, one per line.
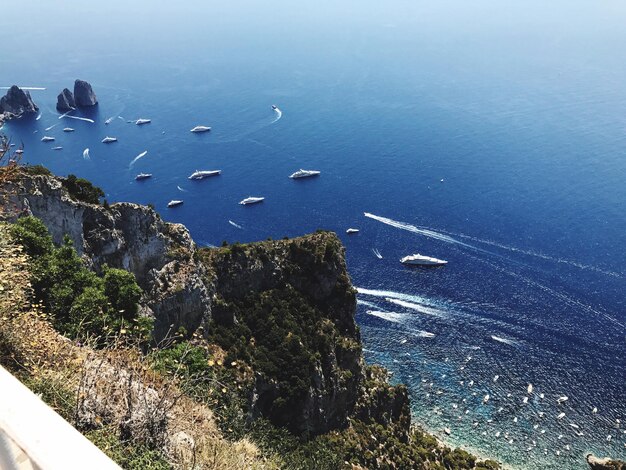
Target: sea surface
488 133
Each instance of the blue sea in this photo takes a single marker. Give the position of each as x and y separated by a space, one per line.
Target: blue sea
488 133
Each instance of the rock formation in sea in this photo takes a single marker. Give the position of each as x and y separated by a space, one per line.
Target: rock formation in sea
83 94
16 103
65 100
596 463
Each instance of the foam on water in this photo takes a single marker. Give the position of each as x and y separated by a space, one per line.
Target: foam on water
235 225
141 155
393 317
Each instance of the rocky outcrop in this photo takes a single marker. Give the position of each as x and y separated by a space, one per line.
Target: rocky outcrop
16 103
237 288
83 94
126 236
596 463
65 101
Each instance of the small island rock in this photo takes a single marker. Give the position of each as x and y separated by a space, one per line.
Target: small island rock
17 102
65 100
83 94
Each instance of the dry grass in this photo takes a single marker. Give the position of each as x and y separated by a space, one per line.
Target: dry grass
112 388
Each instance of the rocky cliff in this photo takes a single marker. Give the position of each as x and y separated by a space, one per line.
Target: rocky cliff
127 236
65 100
16 103
291 300
83 94
596 463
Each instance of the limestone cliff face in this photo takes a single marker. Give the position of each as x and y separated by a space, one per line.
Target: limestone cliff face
596 463
187 287
126 236
16 103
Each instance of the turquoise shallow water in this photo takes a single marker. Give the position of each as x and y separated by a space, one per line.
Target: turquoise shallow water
518 107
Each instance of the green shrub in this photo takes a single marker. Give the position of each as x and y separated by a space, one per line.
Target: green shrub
80 302
82 190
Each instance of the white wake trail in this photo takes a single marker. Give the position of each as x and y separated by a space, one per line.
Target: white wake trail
235 225
420 231
279 114
141 155
67 116
86 155
392 317
499 339
377 253
181 189
51 127
417 307
396 295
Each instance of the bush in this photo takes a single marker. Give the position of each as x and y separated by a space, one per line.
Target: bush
81 303
82 190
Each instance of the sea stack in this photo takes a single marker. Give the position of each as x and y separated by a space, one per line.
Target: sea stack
65 100
17 102
83 94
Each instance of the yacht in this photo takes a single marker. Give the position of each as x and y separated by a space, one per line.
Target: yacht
46 138
420 260
350 231
251 200
108 140
304 174
109 121
174 203
143 176
68 129
201 174
19 151
274 107
139 122
201 129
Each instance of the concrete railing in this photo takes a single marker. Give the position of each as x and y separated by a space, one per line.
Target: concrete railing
33 436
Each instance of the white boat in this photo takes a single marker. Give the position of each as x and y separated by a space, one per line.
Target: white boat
562 399
109 121
274 107
447 431
142 121
530 388
351 231
420 260
201 174
108 140
486 398
201 129
304 174
174 203
251 200
561 416
68 129
47 138
143 176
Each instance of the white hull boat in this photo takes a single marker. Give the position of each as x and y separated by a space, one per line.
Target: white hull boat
421 260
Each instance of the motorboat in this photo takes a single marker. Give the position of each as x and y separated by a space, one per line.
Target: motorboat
304 174
109 121
143 176
421 260
174 203
47 138
251 200
109 140
274 107
351 231
201 174
201 129
68 129
142 121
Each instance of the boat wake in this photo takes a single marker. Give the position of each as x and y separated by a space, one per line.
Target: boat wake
141 155
393 317
420 231
235 225
86 155
77 118
417 307
51 127
279 114
366 303
181 189
38 117
396 295
499 339
377 253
